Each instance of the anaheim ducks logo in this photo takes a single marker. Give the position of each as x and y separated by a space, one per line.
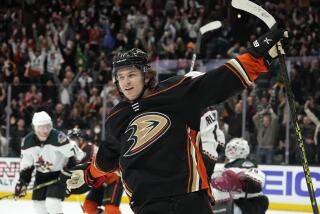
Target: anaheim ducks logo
145 129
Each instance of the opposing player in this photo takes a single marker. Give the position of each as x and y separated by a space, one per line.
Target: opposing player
212 138
238 188
108 195
46 150
151 134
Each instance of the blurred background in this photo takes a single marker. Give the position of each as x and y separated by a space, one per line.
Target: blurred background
56 56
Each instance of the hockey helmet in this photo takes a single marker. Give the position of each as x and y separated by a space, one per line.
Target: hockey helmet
76 133
134 57
42 124
237 148
41 118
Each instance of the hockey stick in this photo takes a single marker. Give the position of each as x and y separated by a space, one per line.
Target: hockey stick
33 188
204 29
263 15
44 185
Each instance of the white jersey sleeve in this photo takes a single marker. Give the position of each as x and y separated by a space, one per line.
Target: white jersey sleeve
211 134
77 152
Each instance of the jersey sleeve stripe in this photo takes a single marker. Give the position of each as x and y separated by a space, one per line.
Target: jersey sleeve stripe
196 165
236 73
114 192
127 189
113 114
200 164
196 174
170 87
189 163
96 172
235 64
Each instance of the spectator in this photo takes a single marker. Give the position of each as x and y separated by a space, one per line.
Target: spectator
54 61
66 89
17 87
58 112
33 95
3 145
266 123
51 92
315 142
85 81
35 67
18 132
308 130
234 119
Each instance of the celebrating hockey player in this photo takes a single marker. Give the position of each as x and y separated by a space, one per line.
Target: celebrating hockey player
46 150
151 134
238 187
108 195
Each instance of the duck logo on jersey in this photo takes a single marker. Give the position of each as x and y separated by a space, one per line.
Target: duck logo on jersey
145 129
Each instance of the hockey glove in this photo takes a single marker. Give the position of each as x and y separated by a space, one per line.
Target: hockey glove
81 180
265 45
65 174
254 180
228 181
20 189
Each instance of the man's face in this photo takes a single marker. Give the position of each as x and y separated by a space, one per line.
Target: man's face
131 82
43 131
266 120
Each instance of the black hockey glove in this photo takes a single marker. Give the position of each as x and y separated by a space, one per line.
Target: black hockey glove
20 189
265 45
65 174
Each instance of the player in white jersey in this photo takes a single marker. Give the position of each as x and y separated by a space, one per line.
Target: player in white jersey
238 187
212 138
46 150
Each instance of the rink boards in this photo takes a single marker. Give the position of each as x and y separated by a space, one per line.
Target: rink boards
285 186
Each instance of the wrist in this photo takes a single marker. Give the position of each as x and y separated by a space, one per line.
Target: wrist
91 181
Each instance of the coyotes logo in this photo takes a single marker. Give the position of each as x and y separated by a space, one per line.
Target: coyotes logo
43 164
145 129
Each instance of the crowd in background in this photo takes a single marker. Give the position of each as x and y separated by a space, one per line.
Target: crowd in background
56 55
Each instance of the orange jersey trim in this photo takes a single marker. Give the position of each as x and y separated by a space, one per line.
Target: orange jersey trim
189 163
166 89
114 192
253 66
114 113
201 167
96 172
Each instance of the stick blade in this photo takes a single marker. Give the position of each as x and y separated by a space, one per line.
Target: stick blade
210 26
255 10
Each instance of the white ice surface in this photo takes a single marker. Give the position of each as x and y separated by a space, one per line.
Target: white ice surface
25 207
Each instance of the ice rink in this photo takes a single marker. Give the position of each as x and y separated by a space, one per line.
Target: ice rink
25 206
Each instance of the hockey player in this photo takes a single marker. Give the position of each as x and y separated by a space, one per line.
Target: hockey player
212 139
151 134
240 183
46 150
108 195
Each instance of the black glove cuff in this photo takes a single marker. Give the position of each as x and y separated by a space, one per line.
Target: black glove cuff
261 46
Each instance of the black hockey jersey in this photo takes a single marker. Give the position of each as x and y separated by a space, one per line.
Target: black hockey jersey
153 141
